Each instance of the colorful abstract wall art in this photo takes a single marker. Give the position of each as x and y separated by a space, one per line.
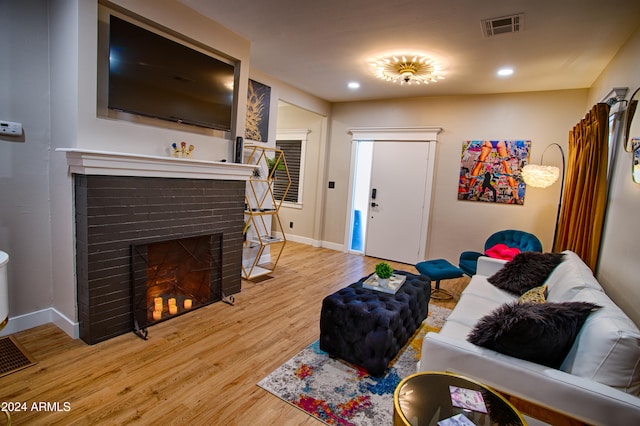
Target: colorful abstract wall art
490 171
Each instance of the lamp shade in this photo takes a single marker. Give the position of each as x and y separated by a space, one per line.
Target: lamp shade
540 176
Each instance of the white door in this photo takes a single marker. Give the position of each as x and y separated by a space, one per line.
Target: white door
399 186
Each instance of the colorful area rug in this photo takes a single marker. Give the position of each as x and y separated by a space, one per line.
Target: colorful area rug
339 393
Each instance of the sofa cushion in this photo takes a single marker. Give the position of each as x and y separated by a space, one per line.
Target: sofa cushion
478 299
538 332
526 271
607 350
480 287
535 295
570 277
470 308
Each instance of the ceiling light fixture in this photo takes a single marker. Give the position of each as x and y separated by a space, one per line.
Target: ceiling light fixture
504 72
353 85
408 69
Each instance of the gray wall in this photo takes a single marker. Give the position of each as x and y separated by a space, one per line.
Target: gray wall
25 208
619 269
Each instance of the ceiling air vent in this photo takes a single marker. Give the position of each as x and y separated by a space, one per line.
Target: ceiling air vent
503 25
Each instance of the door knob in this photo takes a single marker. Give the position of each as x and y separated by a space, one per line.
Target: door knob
374 205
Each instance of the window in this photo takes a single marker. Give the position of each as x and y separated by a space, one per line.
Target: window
292 143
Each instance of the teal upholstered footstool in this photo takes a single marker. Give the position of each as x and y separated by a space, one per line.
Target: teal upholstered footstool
436 270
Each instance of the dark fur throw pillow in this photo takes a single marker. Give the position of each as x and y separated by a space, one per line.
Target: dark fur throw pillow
540 333
527 270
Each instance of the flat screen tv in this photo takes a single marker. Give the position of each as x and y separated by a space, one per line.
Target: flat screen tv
154 76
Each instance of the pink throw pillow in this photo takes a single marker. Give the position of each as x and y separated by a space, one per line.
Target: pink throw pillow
502 251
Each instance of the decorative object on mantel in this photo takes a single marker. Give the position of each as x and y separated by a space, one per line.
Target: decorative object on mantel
258 103
183 151
490 171
408 69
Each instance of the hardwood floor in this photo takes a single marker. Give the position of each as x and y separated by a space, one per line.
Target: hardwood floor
199 368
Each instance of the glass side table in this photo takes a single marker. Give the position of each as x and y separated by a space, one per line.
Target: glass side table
445 399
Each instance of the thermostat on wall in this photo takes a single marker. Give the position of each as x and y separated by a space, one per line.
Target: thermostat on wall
10 128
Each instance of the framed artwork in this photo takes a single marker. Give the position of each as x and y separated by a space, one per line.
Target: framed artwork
490 171
258 102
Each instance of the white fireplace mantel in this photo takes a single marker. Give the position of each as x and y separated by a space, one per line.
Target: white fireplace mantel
93 162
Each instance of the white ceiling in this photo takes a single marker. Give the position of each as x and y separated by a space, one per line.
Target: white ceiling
320 46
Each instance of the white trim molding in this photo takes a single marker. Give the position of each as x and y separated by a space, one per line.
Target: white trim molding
427 135
293 134
41 317
92 162
396 134
301 135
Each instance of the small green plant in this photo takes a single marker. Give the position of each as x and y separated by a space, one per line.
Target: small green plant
384 270
274 164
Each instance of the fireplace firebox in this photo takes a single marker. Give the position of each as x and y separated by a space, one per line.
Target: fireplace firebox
174 277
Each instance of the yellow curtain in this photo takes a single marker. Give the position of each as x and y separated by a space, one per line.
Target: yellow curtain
585 194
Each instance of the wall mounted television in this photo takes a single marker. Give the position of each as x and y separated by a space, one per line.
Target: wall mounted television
153 76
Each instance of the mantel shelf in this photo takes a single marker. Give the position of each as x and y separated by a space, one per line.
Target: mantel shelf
93 162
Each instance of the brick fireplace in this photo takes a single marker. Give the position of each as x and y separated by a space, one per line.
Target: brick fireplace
118 213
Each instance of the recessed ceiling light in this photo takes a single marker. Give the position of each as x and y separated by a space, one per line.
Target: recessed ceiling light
353 85
504 72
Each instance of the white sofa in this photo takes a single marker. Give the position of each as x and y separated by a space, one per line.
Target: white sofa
599 380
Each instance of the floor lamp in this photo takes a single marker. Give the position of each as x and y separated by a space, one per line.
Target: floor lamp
540 176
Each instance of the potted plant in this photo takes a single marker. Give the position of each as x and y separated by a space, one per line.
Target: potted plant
274 164
384 272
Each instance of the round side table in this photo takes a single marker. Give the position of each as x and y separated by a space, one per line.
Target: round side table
445 399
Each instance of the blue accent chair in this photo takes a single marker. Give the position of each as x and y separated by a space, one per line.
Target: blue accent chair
510 237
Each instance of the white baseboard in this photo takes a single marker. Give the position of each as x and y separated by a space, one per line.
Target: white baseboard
303 240
61 321
311 242
41 317
334 246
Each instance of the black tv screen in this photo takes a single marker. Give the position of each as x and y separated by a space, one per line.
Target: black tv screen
153 76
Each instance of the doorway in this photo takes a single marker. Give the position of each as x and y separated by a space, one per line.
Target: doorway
392 177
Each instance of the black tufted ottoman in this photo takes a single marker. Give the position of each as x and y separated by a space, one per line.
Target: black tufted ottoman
367 327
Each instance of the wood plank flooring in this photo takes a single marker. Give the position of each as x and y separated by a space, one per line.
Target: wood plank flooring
198 369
